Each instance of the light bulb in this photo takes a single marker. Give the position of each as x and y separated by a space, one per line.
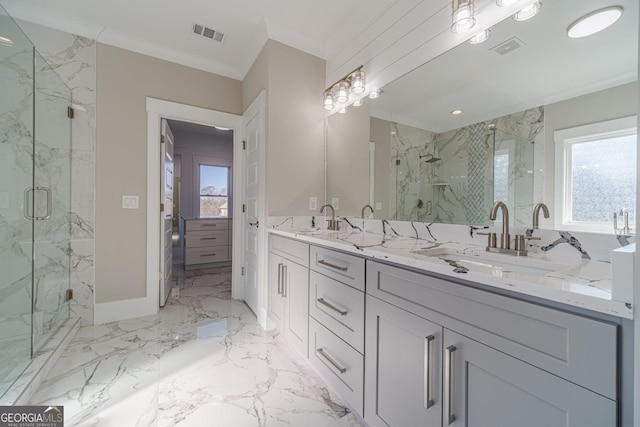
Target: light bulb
528 12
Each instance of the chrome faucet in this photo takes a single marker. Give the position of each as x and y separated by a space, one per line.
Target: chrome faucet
504 237
536 214
625 214
333 224
364 208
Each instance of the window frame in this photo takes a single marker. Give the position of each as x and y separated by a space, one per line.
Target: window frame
214 162
564 139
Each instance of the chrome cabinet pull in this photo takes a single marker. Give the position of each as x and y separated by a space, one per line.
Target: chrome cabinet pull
208 225
448 384
329 359
328 264
428 375
208 238
280 279
203 255
332 307
285 282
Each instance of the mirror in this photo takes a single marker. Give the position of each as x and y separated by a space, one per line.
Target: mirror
409 157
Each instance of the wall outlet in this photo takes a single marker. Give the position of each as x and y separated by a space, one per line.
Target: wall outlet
313 203
130 202
378 206
335 202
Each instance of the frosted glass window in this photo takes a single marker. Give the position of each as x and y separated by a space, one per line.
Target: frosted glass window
214 193
603 179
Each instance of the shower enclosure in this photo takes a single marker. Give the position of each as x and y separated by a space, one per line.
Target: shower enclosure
461 176
35 196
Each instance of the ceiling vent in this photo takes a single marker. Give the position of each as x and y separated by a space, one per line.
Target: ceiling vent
207 32
508 46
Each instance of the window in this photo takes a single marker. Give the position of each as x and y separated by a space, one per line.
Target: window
214 193
596 175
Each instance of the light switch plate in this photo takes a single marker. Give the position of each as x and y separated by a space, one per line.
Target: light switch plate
378 206
335 202
130 202
313 203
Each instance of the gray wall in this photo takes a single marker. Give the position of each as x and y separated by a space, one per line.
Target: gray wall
124 80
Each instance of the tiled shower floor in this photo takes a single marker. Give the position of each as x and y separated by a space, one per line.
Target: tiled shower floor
202 361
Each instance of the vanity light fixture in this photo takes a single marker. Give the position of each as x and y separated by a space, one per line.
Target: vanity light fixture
463 16
482 36
342 110
506 3
5 41
358 102
528 12
336 95
358 82
374 94
594 22
328 100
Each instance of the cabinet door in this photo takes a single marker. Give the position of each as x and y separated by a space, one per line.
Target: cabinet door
403 371
487 388
295 290
276 302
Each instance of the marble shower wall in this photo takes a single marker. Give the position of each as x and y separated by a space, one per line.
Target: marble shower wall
73 58
459 188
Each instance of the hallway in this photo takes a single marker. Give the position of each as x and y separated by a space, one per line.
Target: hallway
202 361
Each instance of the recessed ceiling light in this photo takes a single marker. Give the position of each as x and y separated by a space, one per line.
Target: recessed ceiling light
456 112
5 41
594 22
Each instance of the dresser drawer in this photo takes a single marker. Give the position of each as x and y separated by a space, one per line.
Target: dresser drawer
345 268
338 307
199 239
338 364
206 255
292 250
206 224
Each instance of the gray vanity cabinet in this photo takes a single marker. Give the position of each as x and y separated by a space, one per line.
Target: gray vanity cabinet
441 354
403 374
484 387
289 290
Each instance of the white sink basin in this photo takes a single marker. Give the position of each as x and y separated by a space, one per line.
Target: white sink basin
495 264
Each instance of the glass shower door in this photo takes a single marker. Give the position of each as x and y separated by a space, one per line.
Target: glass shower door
52 201
16 200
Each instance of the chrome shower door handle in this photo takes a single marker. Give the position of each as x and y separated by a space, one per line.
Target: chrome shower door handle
26 206
49 203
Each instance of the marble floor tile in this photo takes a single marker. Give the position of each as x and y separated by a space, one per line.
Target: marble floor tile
202 361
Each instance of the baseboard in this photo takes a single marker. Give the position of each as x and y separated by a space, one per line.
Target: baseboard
126 309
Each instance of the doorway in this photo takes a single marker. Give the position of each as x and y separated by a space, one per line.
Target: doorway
156 111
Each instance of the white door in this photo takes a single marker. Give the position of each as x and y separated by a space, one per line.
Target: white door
166 211
254 221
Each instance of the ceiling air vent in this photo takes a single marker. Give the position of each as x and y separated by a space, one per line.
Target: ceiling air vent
508 46
207 32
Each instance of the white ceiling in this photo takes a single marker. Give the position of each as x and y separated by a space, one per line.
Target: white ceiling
549 67
163 28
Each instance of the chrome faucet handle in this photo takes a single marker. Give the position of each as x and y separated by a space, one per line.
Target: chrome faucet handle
520 242
492 239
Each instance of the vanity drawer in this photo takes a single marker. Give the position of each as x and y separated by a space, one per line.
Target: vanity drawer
338 364
293 250
199 239
338 307
206 255
577 348
206 224
345 268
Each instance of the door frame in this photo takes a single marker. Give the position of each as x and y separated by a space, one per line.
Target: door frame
158 109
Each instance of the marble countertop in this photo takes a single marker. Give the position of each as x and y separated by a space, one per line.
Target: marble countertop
583 283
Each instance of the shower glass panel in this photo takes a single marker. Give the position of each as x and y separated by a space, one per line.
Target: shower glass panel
16 175
52 202
35 196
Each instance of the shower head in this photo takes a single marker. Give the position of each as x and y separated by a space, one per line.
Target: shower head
431 159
